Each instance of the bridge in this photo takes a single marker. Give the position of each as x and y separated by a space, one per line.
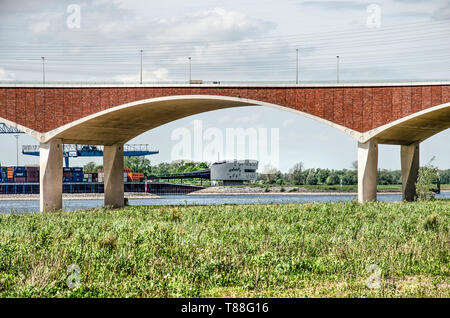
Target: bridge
199 174
402 114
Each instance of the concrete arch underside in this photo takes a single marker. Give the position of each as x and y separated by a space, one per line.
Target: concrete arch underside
122 123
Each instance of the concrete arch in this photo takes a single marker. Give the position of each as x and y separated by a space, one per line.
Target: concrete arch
413 128
124 122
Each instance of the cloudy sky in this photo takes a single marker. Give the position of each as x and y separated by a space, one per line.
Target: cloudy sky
244 41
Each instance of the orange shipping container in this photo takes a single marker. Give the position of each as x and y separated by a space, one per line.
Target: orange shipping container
135 176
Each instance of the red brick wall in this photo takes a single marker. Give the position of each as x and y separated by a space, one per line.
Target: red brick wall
358 108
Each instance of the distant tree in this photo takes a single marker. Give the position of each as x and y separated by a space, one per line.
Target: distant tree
186 167
138 164
311 179
161 169
396 177
270 174
384 177
355 165
350 178
98 167
444 175
89 167
201 166
333 179
322 175
295 173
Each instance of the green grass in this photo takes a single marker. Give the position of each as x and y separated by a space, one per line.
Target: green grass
292 250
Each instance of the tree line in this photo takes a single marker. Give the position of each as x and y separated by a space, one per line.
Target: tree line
297 175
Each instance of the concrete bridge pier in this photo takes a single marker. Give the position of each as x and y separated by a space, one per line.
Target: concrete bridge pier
410 170
51 166
113 182
367 171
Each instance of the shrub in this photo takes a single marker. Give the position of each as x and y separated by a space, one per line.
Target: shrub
424 185
332 179
109 241
431 223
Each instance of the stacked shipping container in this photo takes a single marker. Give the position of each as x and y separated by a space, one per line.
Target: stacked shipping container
126 171
32 174
20 174
3 174
70 175
10 174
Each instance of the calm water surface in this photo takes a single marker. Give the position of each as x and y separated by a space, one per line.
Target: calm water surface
20 206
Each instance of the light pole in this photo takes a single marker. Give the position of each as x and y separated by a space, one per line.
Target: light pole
190 70
141 66
296 74
337 70
17 150
43 70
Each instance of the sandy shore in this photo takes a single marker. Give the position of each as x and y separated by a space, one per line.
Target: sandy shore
78 196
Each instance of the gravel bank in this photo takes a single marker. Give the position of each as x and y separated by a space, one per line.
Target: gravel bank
78 196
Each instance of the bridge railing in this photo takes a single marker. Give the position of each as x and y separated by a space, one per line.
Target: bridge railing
223 83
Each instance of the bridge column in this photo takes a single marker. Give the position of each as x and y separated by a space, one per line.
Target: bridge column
410 170
367 171
113 168
50 175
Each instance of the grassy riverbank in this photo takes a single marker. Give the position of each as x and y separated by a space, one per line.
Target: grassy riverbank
292 250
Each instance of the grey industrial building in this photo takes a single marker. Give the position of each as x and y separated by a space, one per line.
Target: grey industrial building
233 172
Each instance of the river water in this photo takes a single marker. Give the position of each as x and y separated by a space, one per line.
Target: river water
27 206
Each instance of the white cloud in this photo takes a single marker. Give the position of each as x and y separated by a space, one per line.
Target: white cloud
159 75
45 22
442 13
6 76
209 25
